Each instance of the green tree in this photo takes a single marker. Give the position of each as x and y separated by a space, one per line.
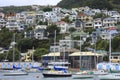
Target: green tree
16 55
6 37
47 9
39 52
72 30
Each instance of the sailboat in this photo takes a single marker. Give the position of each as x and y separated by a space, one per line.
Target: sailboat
86 73
15 71
57 71
110 76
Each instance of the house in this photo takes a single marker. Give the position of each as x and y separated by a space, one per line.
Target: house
56 9
115 57
114 14
88 25
109 22
66 44
20 17
12 23
97 23
40 16
51 17
110 31
79 24
95 35
55 47
63 26
2 15
84 17
39 34
2 23
30 20
29 34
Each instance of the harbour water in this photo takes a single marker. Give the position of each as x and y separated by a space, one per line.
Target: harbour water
37 76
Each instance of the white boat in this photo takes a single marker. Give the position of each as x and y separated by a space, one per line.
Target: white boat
89 74
111 76
14 73
16 70
82 75
100 72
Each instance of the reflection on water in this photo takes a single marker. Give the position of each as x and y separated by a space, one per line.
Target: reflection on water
37 76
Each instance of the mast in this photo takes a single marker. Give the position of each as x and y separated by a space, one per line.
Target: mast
110 47
33 55
54 44
80 52
13 44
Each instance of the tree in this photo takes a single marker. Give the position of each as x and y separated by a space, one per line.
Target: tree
39 52
6 37
51 31
16 55
72 30
47 9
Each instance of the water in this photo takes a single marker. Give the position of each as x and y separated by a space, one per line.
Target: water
37 76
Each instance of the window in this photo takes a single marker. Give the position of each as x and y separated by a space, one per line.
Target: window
115 57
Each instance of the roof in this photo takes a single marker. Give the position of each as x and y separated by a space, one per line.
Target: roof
85 54
52 54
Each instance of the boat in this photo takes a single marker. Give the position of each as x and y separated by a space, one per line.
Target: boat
89 74
14 73
83 75
111 76
54 73
100 72
57 72
17 71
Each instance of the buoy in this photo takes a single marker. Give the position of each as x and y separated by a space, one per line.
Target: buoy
37 76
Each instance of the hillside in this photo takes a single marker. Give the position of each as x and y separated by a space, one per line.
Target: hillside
101 4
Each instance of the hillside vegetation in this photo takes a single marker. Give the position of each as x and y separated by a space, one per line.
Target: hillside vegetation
100 4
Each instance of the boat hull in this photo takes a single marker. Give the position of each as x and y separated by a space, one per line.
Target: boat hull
80 76
56 75
110 77
14 74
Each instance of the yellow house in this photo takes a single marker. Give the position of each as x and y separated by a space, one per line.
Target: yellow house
84 17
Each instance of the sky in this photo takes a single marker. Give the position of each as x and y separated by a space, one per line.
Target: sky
28 2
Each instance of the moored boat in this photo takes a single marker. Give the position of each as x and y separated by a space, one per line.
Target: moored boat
54 73
14 73
83 75
111 76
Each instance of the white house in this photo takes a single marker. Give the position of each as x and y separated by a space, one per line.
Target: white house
20 17
63 26
2 15
56 9
39 34
30 20
2 23
109 22
12 23
97 23
66 44
110 31
51 16
40 16
114 14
